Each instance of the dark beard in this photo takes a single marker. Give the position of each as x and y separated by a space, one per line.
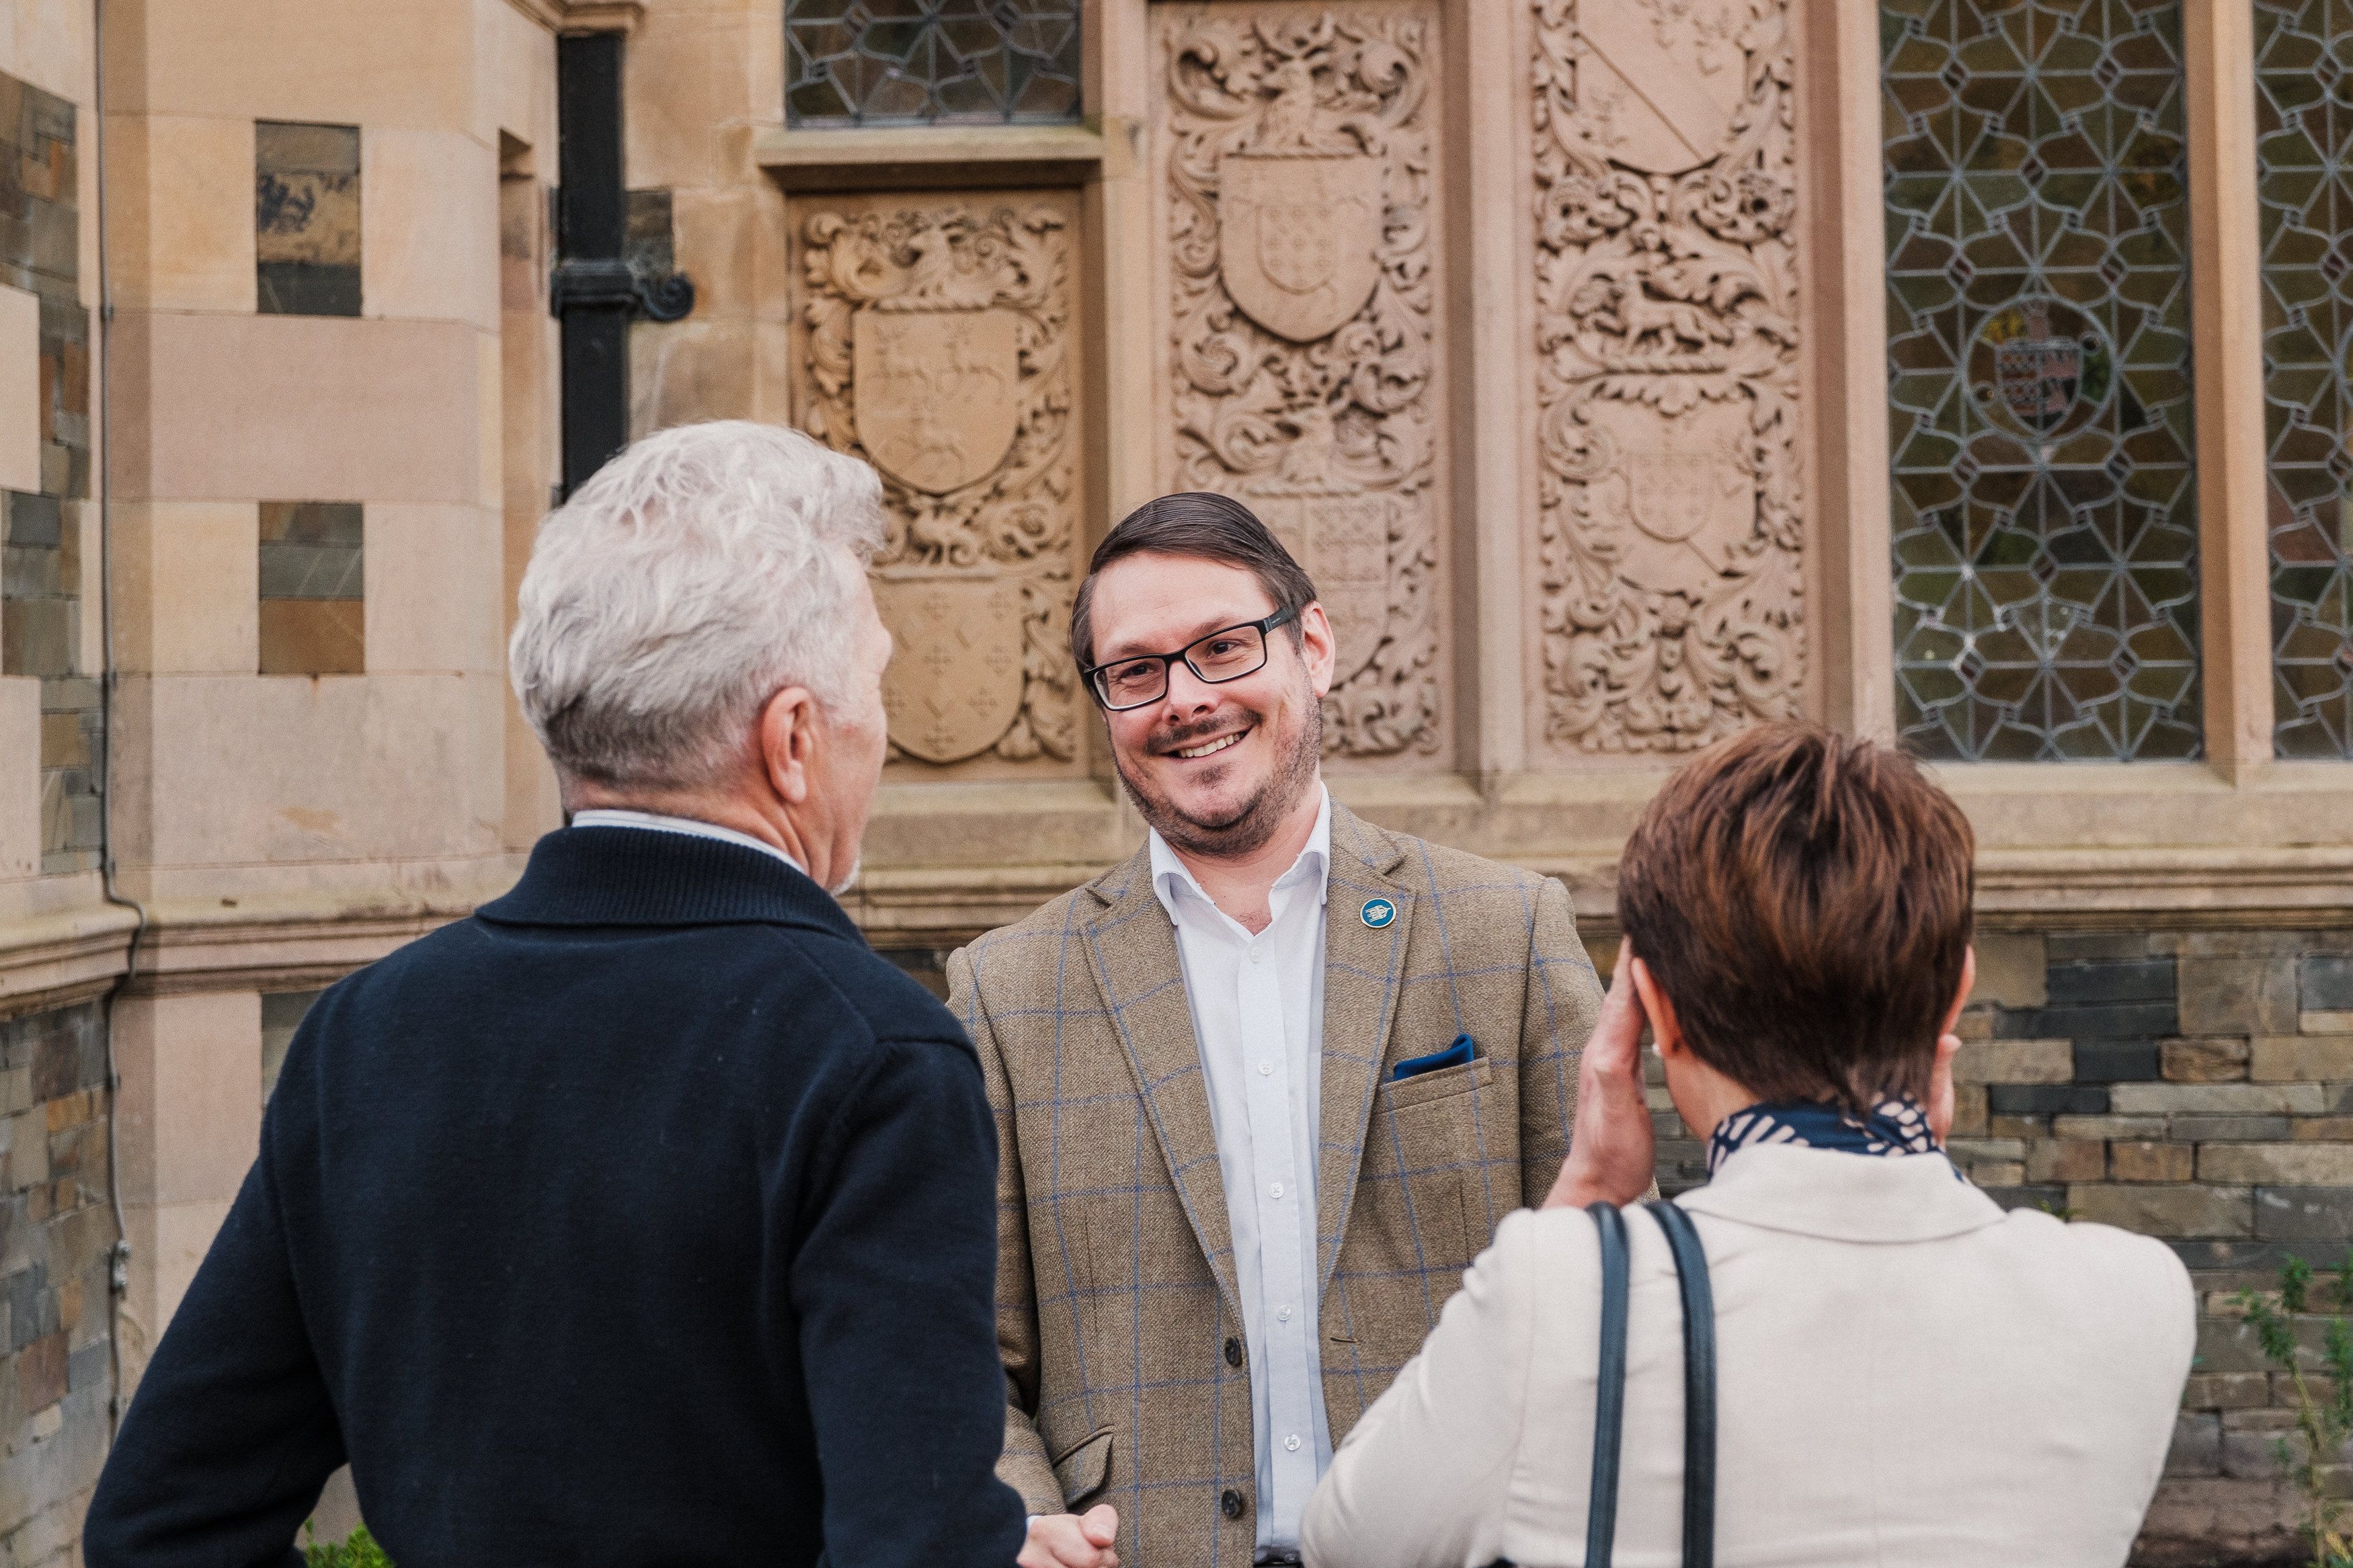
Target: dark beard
1249 829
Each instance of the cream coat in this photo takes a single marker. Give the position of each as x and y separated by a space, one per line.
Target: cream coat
1909 1376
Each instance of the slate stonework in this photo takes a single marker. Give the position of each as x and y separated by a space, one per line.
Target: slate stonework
42 580
2197 1086
57 1230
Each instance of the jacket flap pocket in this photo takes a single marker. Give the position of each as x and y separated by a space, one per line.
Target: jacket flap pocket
1083 1467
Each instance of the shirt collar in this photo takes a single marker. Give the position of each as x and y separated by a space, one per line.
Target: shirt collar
614 817
1171 877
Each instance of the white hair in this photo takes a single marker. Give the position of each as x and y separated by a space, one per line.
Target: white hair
701 571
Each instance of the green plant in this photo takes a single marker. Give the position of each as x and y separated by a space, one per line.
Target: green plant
2324 1415
359 1551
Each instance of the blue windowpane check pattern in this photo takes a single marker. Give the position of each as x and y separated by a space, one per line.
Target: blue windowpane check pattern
922 62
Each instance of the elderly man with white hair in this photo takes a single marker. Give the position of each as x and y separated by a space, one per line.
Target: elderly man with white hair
646 1216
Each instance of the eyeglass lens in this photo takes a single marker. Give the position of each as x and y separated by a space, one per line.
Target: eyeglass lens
1227 655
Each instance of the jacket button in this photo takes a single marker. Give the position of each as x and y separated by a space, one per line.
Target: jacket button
1233 1353
1229 1503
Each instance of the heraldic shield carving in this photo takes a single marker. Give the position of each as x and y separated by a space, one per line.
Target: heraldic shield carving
1298 153
936 404
933 337
1344 543
953 683
1669 529
1298 240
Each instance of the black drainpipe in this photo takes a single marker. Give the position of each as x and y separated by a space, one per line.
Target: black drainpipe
594 292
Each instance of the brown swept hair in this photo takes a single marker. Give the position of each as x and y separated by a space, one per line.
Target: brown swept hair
1200 523
1804 899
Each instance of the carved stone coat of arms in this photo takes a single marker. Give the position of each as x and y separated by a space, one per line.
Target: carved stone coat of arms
937 393
1302 266
1299 242
933 335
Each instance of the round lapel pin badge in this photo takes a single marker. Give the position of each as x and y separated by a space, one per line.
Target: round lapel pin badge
1379 912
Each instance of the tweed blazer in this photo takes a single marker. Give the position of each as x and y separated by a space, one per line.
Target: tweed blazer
1117 1312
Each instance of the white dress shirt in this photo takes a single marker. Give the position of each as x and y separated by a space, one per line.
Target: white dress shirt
1258 1016
613 816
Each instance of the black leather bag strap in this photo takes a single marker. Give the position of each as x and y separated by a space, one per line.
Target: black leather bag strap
1698 1383
1609 1399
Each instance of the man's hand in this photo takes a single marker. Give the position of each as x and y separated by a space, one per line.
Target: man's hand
1611 1149
1073 1540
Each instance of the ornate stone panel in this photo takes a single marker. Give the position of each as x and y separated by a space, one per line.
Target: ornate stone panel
1303 367
1669 527
932 336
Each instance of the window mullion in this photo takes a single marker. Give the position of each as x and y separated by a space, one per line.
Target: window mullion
2226 334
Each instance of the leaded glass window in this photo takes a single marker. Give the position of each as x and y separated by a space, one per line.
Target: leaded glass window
921 62
2304 163
2045 514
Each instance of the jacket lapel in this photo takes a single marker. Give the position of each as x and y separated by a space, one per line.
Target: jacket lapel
1363 965
1131 948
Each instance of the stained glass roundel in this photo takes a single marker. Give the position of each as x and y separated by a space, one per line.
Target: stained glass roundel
2040 368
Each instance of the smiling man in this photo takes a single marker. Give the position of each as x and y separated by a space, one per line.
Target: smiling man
1262 1092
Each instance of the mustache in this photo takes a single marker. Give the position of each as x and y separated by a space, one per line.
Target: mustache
1168 738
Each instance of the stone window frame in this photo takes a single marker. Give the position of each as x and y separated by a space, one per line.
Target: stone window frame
2053 836
2225 279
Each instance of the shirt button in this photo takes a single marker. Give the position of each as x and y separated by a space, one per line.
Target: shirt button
1292 1443
1257 954
1276 1189
1265 1070
1283 1314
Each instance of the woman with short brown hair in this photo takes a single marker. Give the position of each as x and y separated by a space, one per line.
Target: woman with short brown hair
1903 1371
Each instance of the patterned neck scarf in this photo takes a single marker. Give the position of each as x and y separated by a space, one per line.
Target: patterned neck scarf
1895 1125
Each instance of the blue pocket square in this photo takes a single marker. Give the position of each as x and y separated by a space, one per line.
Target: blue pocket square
1454 1055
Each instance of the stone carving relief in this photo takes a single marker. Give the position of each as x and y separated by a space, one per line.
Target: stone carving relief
1299 162
935 336
1669 529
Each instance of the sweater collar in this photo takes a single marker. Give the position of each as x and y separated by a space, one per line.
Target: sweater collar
598 876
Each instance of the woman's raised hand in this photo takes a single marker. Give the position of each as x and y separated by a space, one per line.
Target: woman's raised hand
1611 1148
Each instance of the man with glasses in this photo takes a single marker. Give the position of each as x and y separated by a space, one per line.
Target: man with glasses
1262 1092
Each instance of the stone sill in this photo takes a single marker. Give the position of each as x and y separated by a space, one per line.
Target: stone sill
583 15
2170 846
2082 848
910 157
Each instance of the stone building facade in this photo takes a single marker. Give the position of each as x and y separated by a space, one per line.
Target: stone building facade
1971 374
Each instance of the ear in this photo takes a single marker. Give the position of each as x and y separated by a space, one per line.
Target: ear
1968 984
1665 1032
788 733
1942 1098
1318 648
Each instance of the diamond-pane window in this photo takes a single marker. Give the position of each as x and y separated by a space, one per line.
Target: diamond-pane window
2045 514
2304 172
925 62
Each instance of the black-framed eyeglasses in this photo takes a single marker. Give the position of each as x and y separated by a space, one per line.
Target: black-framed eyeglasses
1227 653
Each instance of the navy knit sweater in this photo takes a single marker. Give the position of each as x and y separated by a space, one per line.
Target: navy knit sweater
646 1217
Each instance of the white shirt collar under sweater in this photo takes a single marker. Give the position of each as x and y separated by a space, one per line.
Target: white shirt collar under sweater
1257 1017
615 817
